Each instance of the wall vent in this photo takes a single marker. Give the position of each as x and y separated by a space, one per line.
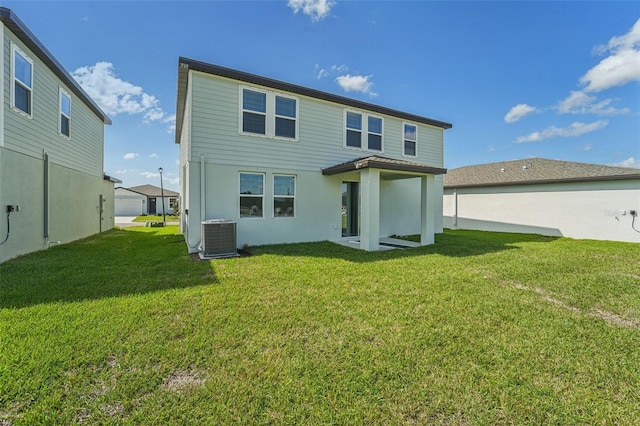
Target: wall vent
218 239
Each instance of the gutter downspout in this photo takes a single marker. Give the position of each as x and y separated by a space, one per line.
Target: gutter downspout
455 208
202 188
46 195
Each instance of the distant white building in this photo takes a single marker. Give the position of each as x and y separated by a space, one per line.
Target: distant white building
144 200
548 197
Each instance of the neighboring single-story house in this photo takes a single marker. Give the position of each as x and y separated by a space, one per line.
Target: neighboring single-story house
53 188
548 197
288 163
144 200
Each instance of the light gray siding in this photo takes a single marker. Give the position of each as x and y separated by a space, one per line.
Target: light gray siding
58 183
215 132
83 151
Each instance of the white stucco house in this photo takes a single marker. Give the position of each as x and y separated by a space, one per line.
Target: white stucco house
548 197
144 200
290 164
53 188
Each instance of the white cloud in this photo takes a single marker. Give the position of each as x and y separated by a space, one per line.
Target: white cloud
171 120
578 102
154 155
588 147
356 83
620 67
316 9
121 172
150 175
322 73
518 112
116 96
575 129
131 155
333 70
629 162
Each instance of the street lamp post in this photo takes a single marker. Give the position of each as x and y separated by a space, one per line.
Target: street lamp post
164 217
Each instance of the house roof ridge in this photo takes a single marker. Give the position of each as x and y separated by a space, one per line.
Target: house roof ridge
533 171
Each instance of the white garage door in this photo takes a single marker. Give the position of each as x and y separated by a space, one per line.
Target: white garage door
128 207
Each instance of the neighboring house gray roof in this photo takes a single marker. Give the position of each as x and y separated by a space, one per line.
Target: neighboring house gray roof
384 163
152 191
534 171
11 21
185 64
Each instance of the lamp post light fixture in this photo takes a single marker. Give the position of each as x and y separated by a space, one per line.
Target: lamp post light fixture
164 217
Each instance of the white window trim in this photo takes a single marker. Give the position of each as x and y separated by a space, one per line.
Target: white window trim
295 191
345 128
270 114
242 110
15 49
364 132
415 141
62 92
240 195
381 134
296 119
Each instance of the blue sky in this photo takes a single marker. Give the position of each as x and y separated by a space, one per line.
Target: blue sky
559 80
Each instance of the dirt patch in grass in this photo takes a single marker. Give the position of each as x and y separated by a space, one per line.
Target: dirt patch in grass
607 316
183 380
612 318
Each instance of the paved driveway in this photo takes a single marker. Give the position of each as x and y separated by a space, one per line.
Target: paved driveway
126 221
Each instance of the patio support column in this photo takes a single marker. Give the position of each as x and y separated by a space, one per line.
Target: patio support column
370 209
427 210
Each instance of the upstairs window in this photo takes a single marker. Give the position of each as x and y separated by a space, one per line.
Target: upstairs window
251 194
285 117
22 75
269 114
357 125
284 194
374 129
354 130
65 113
254 112
410 140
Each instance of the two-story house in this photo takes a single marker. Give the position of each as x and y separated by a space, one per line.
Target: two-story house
52 185
293 164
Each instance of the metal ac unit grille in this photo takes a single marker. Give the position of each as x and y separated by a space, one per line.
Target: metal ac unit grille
218 238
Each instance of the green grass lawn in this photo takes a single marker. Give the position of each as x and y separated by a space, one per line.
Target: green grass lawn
157 218
481 328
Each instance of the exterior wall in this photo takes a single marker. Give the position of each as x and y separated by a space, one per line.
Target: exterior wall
69 214
167 209
82 151
215 133
214 152
589 210
59 199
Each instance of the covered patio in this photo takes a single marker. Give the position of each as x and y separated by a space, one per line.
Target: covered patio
369 172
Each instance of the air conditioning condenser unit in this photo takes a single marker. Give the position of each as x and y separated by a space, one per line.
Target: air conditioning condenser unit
218 239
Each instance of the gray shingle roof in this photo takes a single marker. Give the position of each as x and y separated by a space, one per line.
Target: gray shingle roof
534 171
152 191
